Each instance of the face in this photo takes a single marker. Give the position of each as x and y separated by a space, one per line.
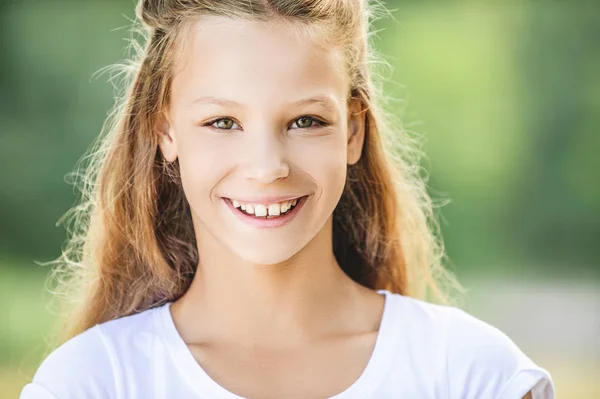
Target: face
258 115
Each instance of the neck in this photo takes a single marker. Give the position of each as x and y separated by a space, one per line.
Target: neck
282 304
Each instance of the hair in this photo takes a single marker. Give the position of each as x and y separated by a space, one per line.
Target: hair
131 243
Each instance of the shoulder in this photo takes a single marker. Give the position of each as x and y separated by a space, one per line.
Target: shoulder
78 368
479 359
90 364
484 362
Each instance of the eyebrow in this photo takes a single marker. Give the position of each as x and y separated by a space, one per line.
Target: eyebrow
324 101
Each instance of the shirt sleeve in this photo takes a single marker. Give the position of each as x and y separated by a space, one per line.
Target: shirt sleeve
80 368
36 391
483 362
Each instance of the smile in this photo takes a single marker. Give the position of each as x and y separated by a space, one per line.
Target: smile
266 215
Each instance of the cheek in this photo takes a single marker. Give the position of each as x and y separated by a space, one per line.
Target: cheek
202 164
325 162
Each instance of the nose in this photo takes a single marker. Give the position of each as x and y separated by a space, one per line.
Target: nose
264 158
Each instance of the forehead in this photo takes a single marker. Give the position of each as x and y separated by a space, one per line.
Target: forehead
231 57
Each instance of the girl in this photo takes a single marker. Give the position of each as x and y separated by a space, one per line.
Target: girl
247 233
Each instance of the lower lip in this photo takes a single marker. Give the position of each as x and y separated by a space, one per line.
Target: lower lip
267 223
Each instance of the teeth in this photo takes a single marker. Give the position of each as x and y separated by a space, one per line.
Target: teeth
260 210
274 209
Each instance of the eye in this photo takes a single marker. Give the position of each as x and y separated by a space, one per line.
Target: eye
305 122
223 124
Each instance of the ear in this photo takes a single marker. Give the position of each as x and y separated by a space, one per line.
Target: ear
166 139
356 129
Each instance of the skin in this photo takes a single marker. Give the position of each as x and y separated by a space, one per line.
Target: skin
269 311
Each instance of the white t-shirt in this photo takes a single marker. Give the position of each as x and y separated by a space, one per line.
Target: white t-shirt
422 351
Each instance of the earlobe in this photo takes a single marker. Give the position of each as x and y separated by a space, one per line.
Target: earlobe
166 141
356 130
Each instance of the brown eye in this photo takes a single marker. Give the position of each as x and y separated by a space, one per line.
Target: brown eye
224 123
305 122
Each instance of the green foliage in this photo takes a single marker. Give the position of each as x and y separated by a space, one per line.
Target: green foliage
505 94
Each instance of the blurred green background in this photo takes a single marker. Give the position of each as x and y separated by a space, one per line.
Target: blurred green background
505 93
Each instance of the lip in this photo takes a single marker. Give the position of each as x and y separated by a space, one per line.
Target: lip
267 223
265 200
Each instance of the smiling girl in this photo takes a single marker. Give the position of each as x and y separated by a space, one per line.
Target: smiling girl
247 230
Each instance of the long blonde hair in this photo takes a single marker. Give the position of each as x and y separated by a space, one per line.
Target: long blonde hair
131 242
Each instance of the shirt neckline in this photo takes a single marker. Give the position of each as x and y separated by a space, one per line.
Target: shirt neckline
205 386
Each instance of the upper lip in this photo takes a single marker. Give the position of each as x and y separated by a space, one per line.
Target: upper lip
266 199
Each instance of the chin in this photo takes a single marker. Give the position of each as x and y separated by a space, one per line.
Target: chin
265 254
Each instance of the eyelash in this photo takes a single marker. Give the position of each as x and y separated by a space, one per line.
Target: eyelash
316 123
